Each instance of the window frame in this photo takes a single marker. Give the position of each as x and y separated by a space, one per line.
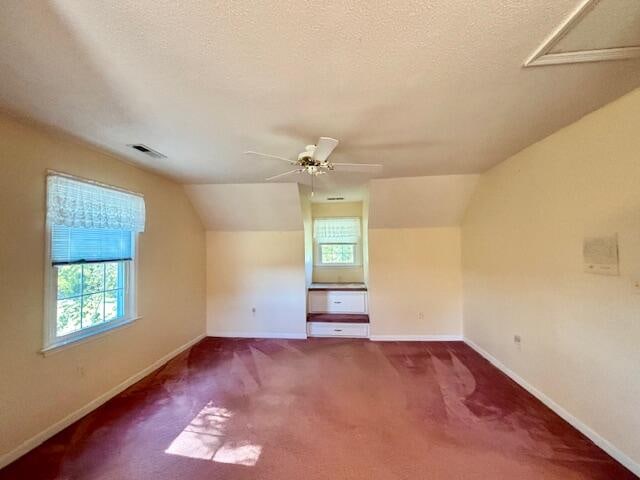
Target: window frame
354 246
51 341
317 254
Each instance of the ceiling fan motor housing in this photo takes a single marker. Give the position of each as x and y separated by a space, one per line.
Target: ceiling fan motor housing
307 154
308 163
306 158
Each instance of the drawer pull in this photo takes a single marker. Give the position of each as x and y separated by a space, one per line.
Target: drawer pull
337 329
337 303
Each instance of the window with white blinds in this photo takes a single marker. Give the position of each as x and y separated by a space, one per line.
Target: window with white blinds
336 241
91 275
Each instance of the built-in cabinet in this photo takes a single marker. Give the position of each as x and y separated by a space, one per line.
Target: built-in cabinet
338 311
323 329
337 301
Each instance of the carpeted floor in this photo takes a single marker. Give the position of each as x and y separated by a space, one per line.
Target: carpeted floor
321 409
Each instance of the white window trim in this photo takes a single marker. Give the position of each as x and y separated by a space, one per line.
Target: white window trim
53 343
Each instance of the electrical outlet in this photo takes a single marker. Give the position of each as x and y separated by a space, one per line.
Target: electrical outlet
80 370
517 339
253 310
420 316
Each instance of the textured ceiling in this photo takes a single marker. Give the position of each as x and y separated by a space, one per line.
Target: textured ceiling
424 87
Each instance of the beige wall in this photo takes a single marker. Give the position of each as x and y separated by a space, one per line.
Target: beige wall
365 239
417 202
247 206
307 222
37 391
323 274
523 271
414 271
261 270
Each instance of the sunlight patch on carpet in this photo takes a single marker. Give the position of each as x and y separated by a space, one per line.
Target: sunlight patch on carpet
205 439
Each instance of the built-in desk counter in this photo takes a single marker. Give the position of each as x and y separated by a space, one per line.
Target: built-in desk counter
338 309
356 287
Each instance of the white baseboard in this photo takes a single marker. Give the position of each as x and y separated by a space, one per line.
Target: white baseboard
57 427
284 336
595 437
375 338
416 338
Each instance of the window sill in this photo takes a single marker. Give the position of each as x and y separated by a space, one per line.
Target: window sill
94 335
324 265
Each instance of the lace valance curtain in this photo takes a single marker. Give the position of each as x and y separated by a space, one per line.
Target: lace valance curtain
91 223
336 230
74 203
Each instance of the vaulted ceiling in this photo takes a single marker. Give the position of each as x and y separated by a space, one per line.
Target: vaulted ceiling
423 87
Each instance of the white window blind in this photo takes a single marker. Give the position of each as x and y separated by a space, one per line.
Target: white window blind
336 230
83 245
91 223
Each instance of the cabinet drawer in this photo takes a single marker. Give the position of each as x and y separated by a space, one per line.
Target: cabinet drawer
332 301
323 329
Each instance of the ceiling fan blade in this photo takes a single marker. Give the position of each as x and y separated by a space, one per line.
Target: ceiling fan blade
290 162
324 148
357 167
297 170
397 145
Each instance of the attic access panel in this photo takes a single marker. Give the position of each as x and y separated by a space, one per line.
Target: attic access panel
598 30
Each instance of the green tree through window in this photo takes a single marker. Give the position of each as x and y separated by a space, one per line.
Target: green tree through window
337 254
89 294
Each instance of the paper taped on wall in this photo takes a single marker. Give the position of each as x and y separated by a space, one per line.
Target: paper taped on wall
601 255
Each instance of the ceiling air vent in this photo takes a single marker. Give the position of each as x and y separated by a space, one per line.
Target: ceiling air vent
147 150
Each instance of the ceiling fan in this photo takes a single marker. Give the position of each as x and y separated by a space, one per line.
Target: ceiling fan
314 160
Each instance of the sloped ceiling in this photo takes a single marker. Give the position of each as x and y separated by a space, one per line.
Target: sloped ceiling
251 207
435 201
423 87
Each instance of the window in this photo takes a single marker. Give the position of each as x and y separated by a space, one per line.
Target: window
89 294
337 253
337 241
90 285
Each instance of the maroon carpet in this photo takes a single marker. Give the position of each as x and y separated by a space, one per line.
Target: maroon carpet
321 409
